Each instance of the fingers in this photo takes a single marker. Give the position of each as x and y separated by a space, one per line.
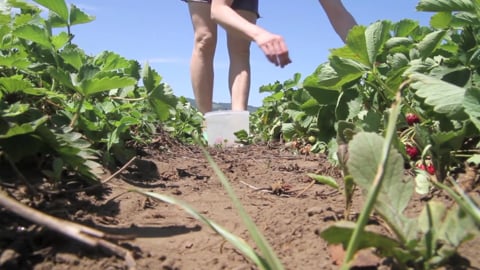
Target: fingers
276 51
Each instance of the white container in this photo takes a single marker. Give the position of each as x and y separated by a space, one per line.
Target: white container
221 126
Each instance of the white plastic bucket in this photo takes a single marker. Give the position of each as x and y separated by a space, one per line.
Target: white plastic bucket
221 126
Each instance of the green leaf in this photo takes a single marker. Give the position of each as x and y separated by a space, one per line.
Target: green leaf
57 6
326 180
14 84
445 98
341 232
445 5
356 42
73 56
429 43
14 61
151 79
348 70
398 41
320 94
60 40
471 103
63 77
15 109
457 227
441 20
163 101
404 27
33 33
365 152
24 128
375 36
77 16
95 85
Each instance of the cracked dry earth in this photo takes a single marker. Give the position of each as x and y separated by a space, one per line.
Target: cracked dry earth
168 238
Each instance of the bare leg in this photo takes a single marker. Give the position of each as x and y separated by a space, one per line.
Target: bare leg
201 64
239 73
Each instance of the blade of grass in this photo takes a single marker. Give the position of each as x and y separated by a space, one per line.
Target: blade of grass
376 186
271 258
236 241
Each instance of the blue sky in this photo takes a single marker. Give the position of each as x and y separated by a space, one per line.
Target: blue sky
160 32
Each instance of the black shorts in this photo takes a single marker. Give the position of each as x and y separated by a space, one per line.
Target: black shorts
249 5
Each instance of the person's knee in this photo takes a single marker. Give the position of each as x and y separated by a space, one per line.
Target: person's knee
239 50
205 42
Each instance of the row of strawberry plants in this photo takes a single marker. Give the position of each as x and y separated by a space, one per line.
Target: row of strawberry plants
68 111
418 87
440 64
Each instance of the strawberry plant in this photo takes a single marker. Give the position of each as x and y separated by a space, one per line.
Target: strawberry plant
71 111
435 71
440 63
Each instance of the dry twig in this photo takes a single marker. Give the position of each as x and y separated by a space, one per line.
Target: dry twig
84 234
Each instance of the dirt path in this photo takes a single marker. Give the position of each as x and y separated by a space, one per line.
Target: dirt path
168 238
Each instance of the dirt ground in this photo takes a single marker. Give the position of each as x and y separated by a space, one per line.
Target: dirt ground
168 238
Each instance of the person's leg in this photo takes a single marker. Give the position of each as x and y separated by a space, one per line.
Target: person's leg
239 72
201 64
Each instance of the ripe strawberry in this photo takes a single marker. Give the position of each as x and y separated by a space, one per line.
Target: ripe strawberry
430 169
412 119
411 150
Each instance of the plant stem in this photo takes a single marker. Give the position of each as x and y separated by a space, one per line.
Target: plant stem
77 113
377 184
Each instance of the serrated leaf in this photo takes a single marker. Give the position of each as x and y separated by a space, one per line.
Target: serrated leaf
404 27
348 70
14 61
375 36
62 76
471 103
24 128
33 33
457 227
357 44
445 98
93 86
365 151
429 43
445 5
73 56
323 77
60 40
77 16
57 6
14 84
163 101
441 20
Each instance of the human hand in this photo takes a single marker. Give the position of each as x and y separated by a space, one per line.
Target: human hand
274 48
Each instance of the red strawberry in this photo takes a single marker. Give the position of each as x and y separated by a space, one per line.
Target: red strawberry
412 119
430 169
421 166
412 151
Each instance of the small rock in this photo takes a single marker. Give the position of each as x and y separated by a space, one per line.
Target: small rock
315 211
